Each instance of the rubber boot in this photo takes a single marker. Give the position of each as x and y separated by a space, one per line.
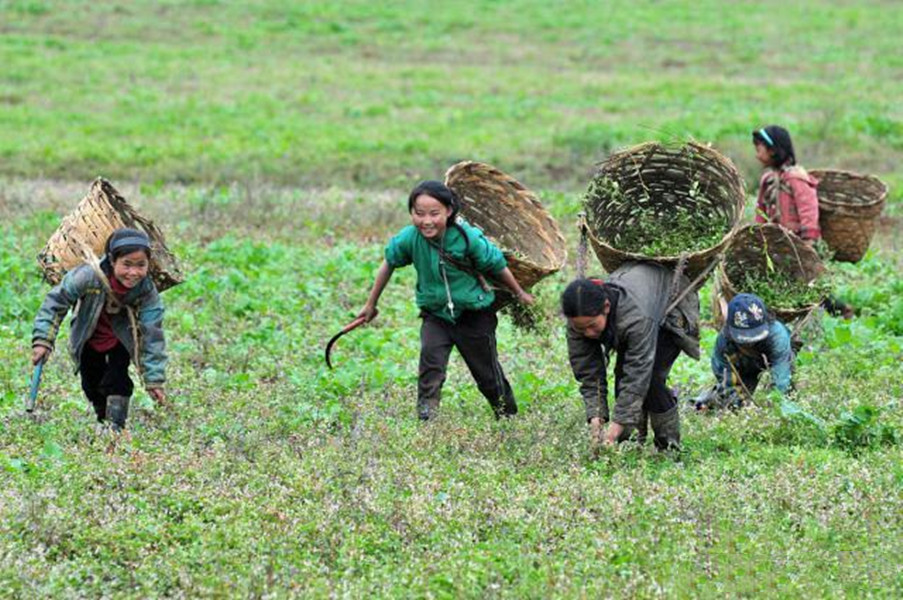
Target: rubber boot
642 429
666 427
427 408
117 411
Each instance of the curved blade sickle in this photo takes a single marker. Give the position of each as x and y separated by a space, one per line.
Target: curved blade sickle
350 326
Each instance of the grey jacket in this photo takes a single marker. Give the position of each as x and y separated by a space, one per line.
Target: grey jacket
644 291
82 287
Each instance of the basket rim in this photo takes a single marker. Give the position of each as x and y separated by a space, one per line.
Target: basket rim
820 270
706 148
853 175
710 153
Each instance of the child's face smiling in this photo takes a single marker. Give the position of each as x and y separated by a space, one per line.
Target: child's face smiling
430 216
130 269
764 154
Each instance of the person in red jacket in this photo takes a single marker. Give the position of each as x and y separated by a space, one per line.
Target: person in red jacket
787 193
788 196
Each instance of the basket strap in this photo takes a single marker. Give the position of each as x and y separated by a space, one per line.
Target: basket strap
699 279
582 245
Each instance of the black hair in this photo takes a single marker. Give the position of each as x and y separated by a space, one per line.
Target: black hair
441 192
779 143
446 197
586 298
140 243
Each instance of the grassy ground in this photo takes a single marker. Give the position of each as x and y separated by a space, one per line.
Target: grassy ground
272 476
274 143
382 93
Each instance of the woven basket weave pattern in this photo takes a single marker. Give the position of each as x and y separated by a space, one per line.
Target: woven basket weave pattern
653 178
849 206
512 217
87 228
788 253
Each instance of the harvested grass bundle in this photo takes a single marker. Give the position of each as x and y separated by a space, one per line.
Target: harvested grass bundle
654 202
513 218
776 265
849 206
87 228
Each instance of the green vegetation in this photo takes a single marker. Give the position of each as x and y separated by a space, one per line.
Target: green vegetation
368 93
274 142
654 230
779 289
271 475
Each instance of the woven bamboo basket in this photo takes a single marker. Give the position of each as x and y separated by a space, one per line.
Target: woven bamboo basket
513 218
849 206
87 228
656 183
756 246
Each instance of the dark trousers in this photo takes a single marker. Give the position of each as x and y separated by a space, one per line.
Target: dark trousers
105 374
749 368
474 336
659 398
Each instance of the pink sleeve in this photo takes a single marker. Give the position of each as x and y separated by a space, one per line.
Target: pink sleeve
807 207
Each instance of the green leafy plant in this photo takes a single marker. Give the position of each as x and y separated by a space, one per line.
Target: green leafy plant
860 428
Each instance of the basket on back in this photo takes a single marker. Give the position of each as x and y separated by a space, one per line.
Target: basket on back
513 218
654 202
776 265
849 206
87 228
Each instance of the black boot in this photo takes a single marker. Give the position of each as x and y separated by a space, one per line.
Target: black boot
117 411
666 427
642 429
427 408
100 408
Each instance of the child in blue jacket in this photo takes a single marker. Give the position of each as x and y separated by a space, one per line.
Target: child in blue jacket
750 342
118 319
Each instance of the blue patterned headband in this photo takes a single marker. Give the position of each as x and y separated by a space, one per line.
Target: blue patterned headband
766 137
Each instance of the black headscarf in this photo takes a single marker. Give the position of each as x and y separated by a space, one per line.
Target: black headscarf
777 139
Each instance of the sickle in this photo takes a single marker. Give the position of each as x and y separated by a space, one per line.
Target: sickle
350 326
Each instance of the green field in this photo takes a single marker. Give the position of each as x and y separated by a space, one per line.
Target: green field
275 143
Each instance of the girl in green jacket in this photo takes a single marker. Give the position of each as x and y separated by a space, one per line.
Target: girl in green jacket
451 258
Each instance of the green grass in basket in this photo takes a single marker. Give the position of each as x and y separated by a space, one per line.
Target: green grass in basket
658 231
779 289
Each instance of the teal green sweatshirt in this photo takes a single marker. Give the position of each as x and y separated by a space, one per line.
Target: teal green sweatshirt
409 246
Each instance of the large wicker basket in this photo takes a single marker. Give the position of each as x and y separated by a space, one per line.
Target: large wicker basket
513 218
655 181
758 248
87 228
849 206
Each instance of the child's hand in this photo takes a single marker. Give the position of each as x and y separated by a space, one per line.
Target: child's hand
39 353
525 298
158 395
368 313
